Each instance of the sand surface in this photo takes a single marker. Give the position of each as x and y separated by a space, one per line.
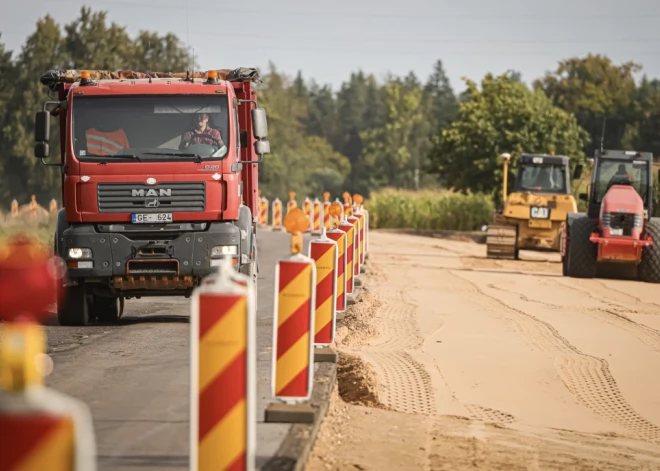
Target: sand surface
453 361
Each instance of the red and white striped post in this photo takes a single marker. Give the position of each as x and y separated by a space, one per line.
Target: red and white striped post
263 214
309 212
349 230
292 202
293 330
327 223
325 255
355 221
340 237
317 214
223 372
277 214
363 230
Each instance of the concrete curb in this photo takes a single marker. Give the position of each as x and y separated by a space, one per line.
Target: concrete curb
297 445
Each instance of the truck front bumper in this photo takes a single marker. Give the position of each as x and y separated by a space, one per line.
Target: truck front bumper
137 258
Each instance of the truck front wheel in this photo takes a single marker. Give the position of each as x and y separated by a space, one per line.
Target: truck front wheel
74 309
107 309
252 270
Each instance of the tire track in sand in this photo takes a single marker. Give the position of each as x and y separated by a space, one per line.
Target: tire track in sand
614 312
406 385
587 377
598 290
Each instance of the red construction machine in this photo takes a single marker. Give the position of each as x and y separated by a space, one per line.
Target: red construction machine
618 227
159 181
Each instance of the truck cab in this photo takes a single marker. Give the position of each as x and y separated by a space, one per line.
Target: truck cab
159 182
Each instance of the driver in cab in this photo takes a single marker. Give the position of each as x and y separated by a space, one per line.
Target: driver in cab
201 133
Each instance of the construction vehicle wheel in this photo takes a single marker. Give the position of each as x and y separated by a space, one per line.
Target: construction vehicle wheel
582 254
74 310
502 242
649 267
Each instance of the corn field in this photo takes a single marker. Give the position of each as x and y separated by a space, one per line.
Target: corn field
430 210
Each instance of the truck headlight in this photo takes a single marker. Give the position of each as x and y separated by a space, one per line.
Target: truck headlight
220 250
77 253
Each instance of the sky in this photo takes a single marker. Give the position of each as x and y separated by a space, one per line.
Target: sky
329 40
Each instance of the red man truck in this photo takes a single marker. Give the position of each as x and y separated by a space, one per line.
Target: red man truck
159 182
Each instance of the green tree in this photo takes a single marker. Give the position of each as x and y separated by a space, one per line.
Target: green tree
151 52
387 150
644 135
504 116
593 88
43 50
92 44
6 88
438 91
305 164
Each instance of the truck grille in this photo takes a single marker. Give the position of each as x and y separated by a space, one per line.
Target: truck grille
161 198
625 221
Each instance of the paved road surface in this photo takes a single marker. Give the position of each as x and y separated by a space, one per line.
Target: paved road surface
135 376
496 365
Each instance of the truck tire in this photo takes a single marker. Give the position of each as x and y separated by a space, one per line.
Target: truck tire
582 254
107 309
74 309
61 226
649 267
252 270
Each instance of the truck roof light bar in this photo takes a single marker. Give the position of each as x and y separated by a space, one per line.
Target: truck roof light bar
52 78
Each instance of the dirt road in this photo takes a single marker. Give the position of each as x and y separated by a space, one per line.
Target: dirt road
457 362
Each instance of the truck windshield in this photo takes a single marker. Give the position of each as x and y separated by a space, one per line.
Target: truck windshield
541 178
611 172
150 127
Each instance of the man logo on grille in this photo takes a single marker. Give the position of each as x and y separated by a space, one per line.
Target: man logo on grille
152 192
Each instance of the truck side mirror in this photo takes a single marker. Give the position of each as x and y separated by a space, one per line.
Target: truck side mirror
577 173
42 134
262 147
259 123
42 126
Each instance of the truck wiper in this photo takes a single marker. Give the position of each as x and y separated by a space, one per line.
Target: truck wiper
128 156
177 154
115 156
118 156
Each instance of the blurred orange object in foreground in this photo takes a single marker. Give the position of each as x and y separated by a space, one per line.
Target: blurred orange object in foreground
30 279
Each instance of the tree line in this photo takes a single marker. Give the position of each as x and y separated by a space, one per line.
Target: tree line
405 132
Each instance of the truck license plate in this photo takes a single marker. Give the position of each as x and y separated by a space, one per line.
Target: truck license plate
152 218
539 212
